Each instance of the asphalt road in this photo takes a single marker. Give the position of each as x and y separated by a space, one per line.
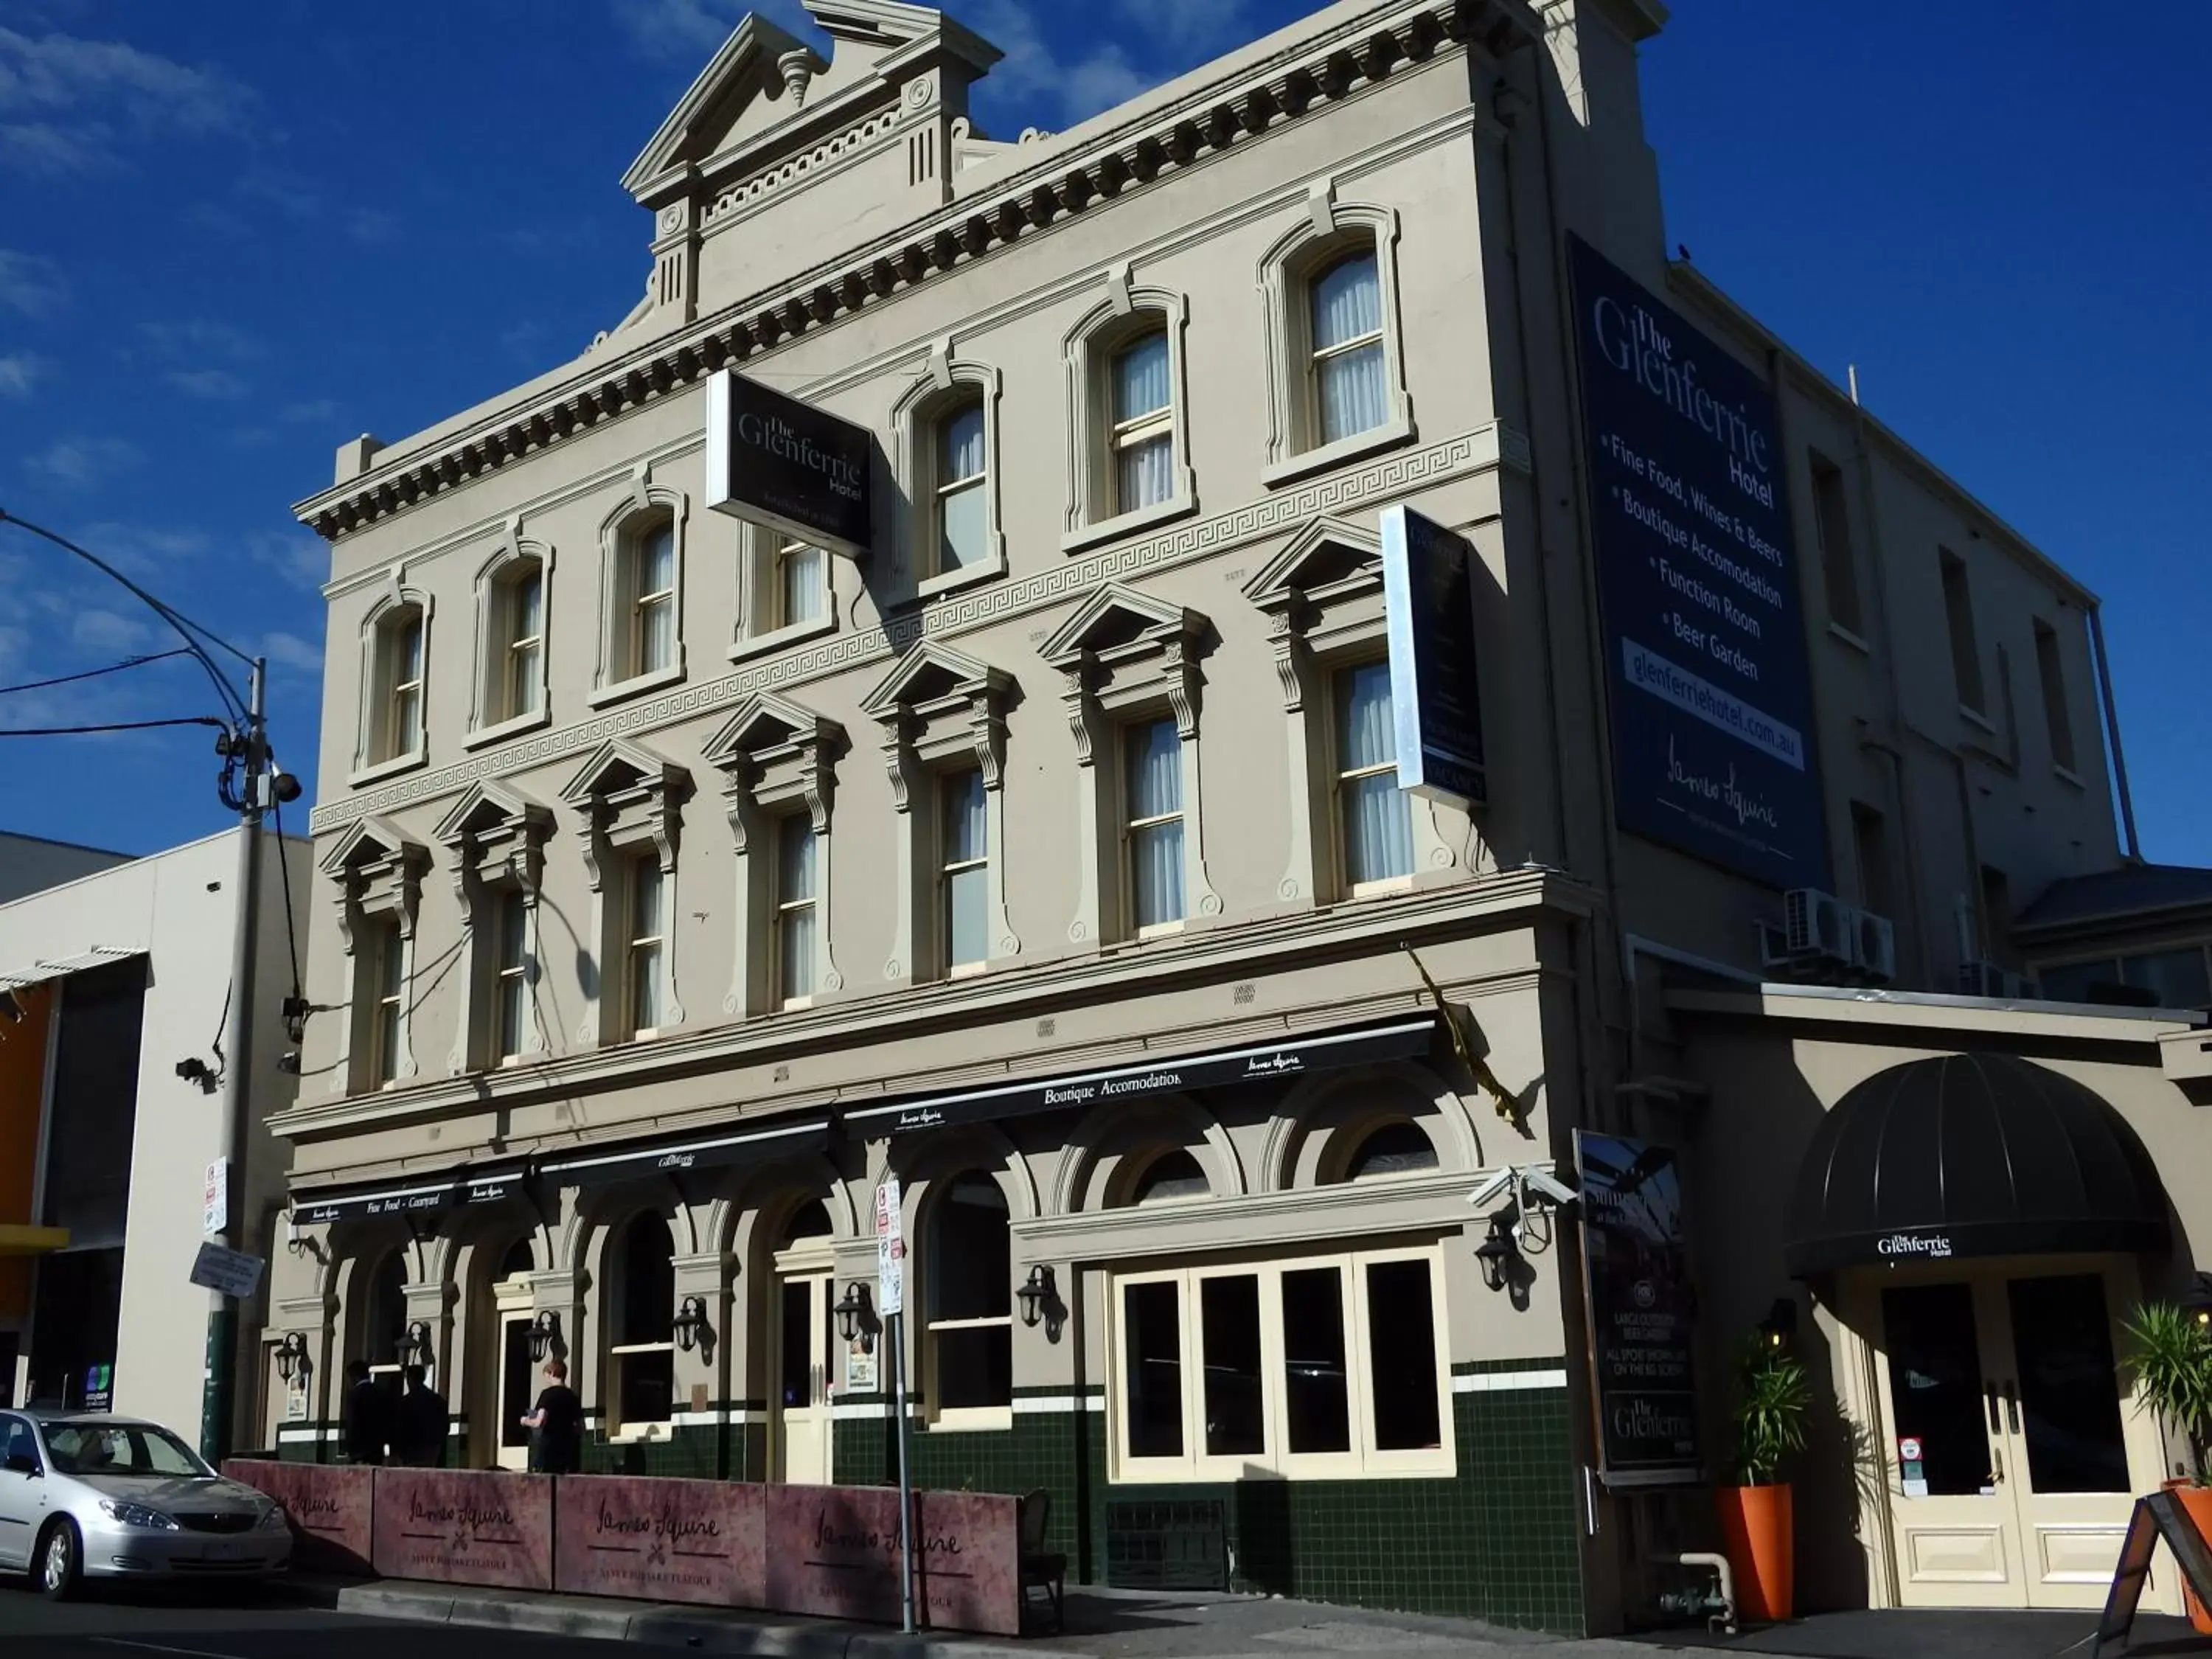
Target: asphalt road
237 1622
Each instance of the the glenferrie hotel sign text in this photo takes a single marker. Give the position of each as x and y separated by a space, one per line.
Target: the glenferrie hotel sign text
776 461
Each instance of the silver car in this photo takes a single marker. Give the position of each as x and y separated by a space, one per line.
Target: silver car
91 1496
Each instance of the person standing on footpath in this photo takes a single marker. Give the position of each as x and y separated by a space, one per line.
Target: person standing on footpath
421 1439
556 1424
367 1416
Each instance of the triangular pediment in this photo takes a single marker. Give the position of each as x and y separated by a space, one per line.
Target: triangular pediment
618 764
765 721
1118 616
1326 552
489 805
930 670
713 108
369 840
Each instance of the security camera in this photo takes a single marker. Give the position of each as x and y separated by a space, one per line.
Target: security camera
285 786
1542 1181
289 1062
193 1069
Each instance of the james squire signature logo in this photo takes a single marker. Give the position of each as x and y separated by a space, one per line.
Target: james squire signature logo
663 1532
469 1523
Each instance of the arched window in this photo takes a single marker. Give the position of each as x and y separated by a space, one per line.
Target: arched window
961 531
1350 380
970 1327
1336 379
384 1315
1172 1175
515 655
642 547
1401 1148
517 1261
1143 439
392 714
640 1326
810 1220
1128 391
650 600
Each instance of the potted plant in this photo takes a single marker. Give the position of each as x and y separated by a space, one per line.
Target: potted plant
1773 1395
2171 1358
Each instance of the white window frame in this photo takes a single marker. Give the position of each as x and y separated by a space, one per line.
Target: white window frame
1364 1461
1341 775
492 713
785 907
644 953
622 546
387 1014
1127 314
378 751
948 867
619 1430
760 630
376 873
511 977
629 800
947 1417
948 386
1326 232
1130 824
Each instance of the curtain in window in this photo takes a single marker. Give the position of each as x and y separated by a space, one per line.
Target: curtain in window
392 992
647 935
799 576
1144 473
526 610
1378 827
656 616
795 895
513 974
967 871
1348 307
1155 761
406 683
960 445
1140 378
960 481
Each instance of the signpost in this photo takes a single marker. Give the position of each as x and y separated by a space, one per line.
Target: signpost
1637 1298
233 1273
1428 604
890 1300
1706 673
775 461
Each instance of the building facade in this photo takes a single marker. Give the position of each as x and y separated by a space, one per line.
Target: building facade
678 880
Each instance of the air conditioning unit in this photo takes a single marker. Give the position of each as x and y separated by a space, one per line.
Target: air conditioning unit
1874 947
1986 979
1816 924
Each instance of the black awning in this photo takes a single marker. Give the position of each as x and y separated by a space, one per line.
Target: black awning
1210 1069
422 1194
674 1155
1970 1155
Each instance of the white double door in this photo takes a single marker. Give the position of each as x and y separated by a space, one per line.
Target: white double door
800 1429
2014 1449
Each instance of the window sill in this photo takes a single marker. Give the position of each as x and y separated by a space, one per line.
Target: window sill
1836 630
638 684
951 581
955 1419
1397 430
1361 890
1128 524
500 731
794 1005
1974 717
760 645
1158 930
388 769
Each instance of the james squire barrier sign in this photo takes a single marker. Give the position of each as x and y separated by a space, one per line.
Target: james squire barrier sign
1637 1299
798 469
1428 602
661 1539
1705 637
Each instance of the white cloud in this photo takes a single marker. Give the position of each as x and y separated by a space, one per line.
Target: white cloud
206 382
30 283
314 409
146 552
694 30
69 97
299 557
17 374
198 337
108 633
1033 70
1188 29
289 651
78 463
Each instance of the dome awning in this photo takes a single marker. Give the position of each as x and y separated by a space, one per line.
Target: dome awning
1971 1154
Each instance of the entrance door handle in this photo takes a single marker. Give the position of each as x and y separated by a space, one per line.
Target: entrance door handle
2012 1406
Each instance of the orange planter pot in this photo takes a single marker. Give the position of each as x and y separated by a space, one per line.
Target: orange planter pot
1759 1533
2198 1500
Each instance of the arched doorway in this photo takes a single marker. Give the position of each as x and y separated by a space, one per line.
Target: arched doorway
509 1388
804 1349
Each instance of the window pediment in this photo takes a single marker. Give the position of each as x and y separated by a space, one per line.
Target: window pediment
937 705
379 872
1123 648
495 836
627 796
773 754
1324 589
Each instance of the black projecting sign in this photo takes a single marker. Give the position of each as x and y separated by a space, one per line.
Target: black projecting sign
800 471
1637 1299
1429 608
1705 640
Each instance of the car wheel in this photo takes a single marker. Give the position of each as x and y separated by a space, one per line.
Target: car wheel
60 1562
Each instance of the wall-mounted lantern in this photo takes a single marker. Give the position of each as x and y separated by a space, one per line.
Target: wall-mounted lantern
1497 1253
544 1335
415 1346
692 1328
853 1323
292 1361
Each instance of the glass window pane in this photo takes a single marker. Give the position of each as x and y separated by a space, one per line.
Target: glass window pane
1155 761
1365 735
1352 396
794 847
2069 1397
795 1369
1141 378
407 649
406 721
1348 302
1936 1384
795 952
2073 982
1152 1340
967 894
967 825
1393 1149
1172 1175
391 964
645 987
528 605
799 576
656 560
645 896
1156 869
1235 1412
2177 977
971 1264
960 445
1378 828
648 1282
962 527
647 1385
514 992
1401 1356
656 636
976 1368
526 680
1144 473
1315 1394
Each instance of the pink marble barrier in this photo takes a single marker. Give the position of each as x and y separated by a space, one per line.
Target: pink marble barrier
332 1507
461 1527
661 1539
833 1552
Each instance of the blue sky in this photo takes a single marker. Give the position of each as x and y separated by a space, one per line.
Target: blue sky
232 236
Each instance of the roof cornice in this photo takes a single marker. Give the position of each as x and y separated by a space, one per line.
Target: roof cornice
1358 52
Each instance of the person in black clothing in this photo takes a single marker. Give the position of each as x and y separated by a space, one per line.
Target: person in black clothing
367 1416
558 1424
419 1439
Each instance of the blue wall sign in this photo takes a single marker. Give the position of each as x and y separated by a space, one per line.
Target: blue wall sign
1704 636
1429 603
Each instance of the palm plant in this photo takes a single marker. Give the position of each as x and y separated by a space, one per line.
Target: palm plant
1773 1395
2170 1356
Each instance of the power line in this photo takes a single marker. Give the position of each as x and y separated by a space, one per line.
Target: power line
94 673
116 725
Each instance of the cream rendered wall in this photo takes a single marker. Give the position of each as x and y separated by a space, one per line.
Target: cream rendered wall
178 907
